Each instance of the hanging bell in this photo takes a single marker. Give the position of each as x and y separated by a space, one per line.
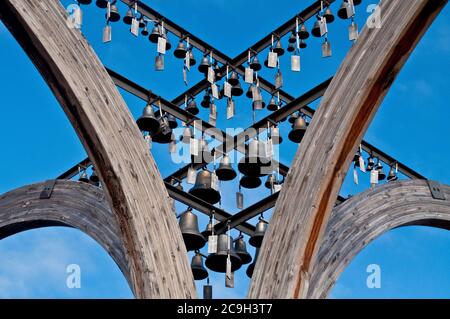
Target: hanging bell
251 267
278 48
192 107
292 38
303 33
291 48
208 230
249 93
192 60
234 78
241 250
277 139
164 135
128 18
173 124
114 15
187 135
217 70
206 102
218 262
189 229
255 162
84 177
298 130
159 62
272 106
94 177
278 79
156 33
249 182
102 4
148 122
272 181
225 172
203 188
293 118
370 164
381 174
204 65
392 177
144 31
303 44
258 236
357 2
198 270
344 10
328 15
180 51
255 65
237 90
142 22
316 30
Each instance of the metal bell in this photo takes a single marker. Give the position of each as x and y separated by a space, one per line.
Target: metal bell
328 15
241 250
237 90
142 22
84 177
218 262
225 172
258 236
272 180
249 93
192 60
381 173
277 139
114 15
344 9
94 177
148 122
192 237
209 229
251 267
255 160
292 38
356 159
298 130
234 78
164 134
173 124
272 106
192 107
217 70
203 188
303 33
370 164
187 135
250 182
144 31
293 118
128 17
291 48
206 102
255 65
156 33
159 62
303 44
392 177
198 270
102 3
180 51
278 48
316 29
204 65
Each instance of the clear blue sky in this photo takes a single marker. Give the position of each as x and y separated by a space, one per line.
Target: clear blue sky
39 143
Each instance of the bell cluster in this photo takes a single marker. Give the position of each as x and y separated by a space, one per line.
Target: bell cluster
375 168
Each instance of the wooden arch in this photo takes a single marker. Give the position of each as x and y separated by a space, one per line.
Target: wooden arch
363 218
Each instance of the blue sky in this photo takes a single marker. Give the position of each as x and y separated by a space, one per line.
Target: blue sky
39 143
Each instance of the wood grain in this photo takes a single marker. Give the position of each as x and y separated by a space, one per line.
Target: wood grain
363 218
155 251
323 159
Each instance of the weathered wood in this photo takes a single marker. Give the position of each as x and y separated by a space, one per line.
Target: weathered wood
322 161
363 218
72 204
156 254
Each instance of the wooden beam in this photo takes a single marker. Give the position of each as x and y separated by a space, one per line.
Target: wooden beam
363 218
156 254
323 159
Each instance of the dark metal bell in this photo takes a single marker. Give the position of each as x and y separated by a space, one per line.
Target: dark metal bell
173 124
204 65
192 60
234 78
156 33
203 189
272 180
209 230
237 90
217 70
192 108
148 122
142 22
275 135
272 106
292 38
316 29
114 13
144 31
206 102
198 270
293 118
255 65
298 130
180 51
258 236
303 33
192 237
251 267
85 2
303 44
381 173
218 262
241 250
278 48
102 3
343 10
328 15
249 93
94 177
370 164
392 177
164 134
291 48
255 160
84 177
128 17
225 172
259 105
250 182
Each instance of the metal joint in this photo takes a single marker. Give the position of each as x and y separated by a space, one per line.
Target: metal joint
48 189
436 190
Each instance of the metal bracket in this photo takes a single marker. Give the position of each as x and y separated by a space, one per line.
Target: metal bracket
48 189
436 191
